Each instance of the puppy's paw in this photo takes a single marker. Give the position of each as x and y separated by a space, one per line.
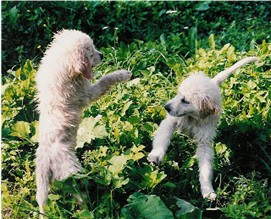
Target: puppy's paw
211 196
156 156
122 75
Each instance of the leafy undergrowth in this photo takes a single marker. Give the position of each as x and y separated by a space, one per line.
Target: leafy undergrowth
116 133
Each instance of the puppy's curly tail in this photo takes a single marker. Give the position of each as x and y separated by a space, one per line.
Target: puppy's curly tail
220 77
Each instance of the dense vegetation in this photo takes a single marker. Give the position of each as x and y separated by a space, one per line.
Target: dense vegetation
161 43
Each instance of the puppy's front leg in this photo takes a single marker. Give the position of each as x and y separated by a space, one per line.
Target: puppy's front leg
205 156
162 139
106 82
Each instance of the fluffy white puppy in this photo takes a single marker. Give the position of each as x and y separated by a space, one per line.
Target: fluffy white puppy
195 110
63 92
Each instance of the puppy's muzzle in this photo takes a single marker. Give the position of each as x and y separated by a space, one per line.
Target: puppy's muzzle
168 107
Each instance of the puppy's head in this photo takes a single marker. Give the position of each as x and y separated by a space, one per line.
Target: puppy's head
79 52
197 97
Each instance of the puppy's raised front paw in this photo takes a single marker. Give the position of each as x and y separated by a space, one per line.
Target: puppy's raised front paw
123 75
156 156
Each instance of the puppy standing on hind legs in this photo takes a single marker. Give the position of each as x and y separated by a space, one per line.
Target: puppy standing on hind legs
63 91
195 110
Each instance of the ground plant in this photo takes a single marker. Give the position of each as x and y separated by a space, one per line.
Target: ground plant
161 43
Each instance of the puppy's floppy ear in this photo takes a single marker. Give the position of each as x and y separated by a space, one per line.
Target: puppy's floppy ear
82 64
208 107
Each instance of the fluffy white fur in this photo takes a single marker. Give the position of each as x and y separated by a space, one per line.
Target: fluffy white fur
63 91
195 110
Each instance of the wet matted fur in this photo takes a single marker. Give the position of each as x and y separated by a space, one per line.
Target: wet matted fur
63 92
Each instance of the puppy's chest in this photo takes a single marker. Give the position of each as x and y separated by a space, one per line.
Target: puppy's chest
189 126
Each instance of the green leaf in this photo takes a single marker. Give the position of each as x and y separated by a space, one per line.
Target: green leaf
189 162
251 85
204 6
146 206
135 82
187 210
192 36
21 129
119 182
53 197
13 15
153 178
220 148
89 130
84 214
117 164
212 41
35 137
135 153
125 107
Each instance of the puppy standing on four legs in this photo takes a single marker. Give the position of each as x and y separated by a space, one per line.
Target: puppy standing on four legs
195 110
63 91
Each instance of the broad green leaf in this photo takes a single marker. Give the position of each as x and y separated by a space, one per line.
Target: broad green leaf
13 15
89 129
117 164
136 153
154 178
187 210
119 182
146 206
136 149
21 129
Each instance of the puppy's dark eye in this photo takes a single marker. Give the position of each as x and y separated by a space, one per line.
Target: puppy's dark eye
184 101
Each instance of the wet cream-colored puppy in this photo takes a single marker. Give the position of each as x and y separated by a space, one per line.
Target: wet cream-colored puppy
64 90
195 110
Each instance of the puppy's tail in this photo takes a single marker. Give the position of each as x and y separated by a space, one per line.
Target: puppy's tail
220 77
53 163
43 175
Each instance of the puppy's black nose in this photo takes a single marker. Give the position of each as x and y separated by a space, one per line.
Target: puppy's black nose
168 107
102 56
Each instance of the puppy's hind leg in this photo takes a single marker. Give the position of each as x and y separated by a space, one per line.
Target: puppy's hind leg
205 156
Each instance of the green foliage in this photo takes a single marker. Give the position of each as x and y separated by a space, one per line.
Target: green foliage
109 22
116 131
249 199
139 207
